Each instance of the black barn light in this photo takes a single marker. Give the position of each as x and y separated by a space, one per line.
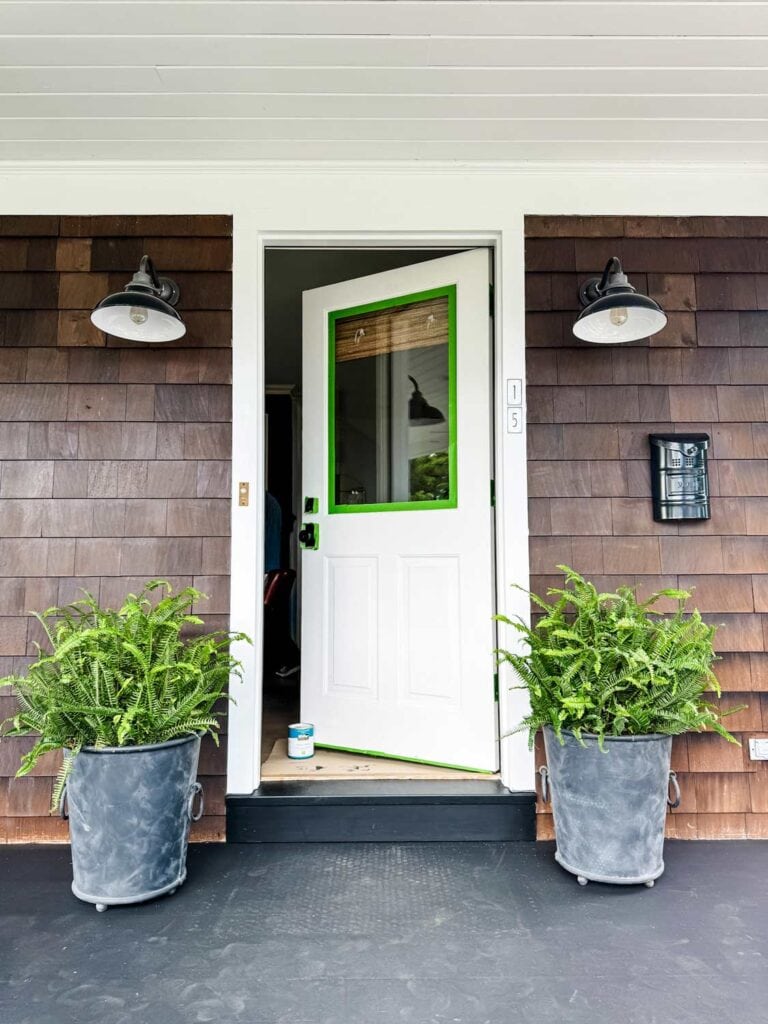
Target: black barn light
144 310
614 312
420 412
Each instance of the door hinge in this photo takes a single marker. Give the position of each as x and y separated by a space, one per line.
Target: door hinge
493 494
491 304
496 687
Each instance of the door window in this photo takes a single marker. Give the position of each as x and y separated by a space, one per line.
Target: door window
392 404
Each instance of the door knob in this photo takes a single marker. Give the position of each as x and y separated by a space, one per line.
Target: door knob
309 536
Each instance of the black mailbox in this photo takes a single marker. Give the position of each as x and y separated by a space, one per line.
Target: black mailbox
679 481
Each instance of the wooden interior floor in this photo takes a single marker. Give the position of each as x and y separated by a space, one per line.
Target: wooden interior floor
339 764
281 708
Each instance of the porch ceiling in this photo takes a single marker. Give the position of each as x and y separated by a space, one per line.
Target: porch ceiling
384 79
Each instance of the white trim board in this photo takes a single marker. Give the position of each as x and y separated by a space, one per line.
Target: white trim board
703 170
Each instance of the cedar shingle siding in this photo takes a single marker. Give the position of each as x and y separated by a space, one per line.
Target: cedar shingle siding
590 411
115 458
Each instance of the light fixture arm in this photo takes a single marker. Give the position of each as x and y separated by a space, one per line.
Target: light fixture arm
613 279
146 279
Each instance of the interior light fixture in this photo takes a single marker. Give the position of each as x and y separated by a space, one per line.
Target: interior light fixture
614 312
420 412
143 311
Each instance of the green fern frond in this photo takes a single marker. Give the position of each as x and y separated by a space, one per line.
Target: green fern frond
607 664
122 678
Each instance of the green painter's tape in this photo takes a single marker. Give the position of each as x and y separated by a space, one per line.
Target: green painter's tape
398 757
449 292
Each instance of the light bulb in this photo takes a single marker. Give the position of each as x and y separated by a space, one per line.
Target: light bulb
139 315
619 316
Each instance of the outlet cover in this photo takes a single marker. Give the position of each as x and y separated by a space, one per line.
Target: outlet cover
758 749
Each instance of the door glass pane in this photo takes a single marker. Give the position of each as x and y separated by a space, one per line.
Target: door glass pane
392 404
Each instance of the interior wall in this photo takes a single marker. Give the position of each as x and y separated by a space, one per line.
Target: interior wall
590 410
289 272
114 456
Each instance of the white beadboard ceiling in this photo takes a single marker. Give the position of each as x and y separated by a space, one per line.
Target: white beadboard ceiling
484 80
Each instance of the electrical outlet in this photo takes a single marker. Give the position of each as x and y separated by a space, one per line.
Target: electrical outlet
758 749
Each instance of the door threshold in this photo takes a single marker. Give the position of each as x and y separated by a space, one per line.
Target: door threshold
332 763
385 810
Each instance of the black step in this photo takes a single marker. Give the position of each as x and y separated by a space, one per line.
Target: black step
381 811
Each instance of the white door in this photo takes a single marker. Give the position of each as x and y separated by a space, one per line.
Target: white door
397 596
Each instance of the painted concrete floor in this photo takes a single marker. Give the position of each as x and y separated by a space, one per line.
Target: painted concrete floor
444 933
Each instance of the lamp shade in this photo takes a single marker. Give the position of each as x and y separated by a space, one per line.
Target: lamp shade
143 311
138 317
420 412
617 318
614 312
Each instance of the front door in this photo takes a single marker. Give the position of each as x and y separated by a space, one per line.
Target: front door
397 568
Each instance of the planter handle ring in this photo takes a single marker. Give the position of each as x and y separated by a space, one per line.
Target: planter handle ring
544 776
196 791
676 787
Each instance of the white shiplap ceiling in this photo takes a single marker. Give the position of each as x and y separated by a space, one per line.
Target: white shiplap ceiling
532 80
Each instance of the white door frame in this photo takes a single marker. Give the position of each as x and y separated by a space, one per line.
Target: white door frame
510 461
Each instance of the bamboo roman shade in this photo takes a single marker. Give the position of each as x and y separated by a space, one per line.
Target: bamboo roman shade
396 329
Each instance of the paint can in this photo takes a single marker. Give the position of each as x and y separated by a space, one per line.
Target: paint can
301 740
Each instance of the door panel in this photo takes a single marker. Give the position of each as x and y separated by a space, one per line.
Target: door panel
397 602
429 630
350 614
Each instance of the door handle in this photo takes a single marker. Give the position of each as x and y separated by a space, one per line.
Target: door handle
309 536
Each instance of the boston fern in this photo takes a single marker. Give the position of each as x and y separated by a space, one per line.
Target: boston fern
610 665
121 678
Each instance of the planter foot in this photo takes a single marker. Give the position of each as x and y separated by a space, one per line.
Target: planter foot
581 880
649 884
102 903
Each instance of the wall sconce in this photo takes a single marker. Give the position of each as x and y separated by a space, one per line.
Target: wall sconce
614 312
420 412
144 310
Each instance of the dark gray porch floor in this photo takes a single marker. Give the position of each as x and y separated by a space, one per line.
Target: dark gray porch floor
466 933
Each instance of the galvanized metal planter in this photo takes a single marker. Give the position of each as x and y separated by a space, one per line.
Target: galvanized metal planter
130 810
609 806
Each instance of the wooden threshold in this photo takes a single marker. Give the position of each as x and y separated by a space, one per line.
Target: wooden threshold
339 765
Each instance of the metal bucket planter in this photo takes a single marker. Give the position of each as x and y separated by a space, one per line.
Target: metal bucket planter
609 806
130 810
